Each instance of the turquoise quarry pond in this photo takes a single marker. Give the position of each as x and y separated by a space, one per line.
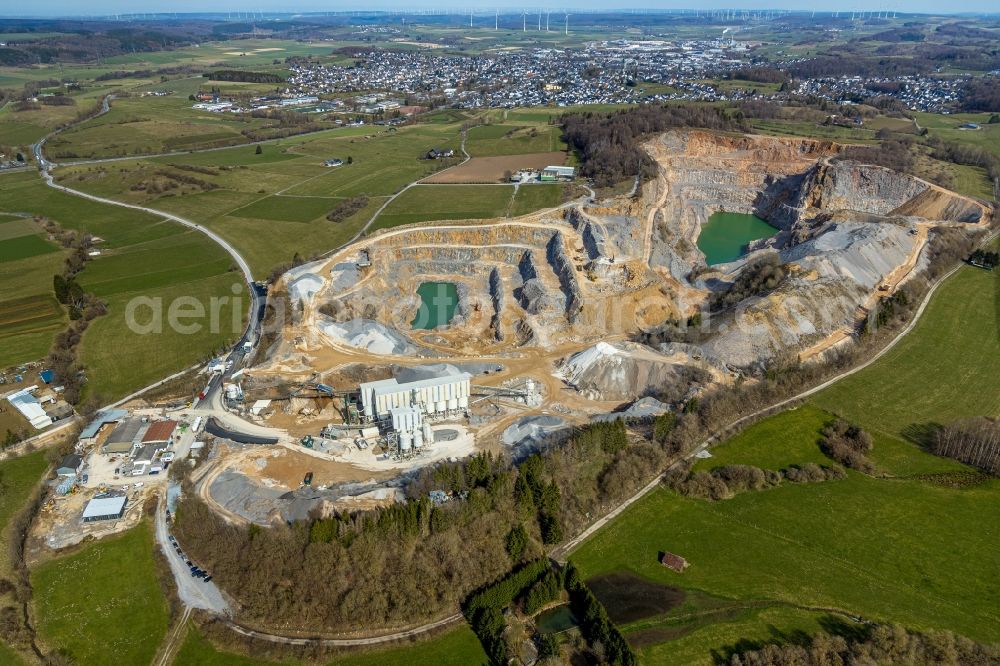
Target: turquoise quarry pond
438 301
725 236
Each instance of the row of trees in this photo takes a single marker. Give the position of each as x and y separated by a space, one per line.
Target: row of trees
883 644
244 76
485 609
985 258
974 441
82 306
347 207
728 481
604 638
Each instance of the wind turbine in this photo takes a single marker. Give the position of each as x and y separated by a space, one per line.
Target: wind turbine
524 21
496 21
567 24
539 20
547 12
470 18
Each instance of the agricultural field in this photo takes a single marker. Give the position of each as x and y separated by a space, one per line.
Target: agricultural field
20 128
149 125
489 140
273 205
787 555
107 589
497 169
29 315
947 368
767 564
120 359
947 127
457 647
142 256
530 198
287 208
425 203
28 326
23 247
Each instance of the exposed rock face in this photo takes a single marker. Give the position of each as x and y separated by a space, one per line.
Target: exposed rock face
832 275
857 187
497 298
848 234
846 228
564 270
534 296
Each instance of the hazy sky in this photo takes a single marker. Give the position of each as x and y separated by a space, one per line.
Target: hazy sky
104 7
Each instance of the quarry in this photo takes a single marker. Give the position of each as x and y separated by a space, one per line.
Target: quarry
426 343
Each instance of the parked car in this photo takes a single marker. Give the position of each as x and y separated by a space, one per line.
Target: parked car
206 579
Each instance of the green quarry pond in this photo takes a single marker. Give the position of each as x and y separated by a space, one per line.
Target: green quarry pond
725 236
438 301
555 620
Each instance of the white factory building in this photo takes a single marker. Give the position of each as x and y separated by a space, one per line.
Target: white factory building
436 396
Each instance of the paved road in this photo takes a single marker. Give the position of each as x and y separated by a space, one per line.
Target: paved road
346 642
194 592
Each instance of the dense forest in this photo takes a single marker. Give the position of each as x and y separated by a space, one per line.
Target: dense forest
244 77
414 561
981 95
86 46
609 143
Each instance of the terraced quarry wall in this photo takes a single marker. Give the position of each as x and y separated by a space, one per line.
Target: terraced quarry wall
849 234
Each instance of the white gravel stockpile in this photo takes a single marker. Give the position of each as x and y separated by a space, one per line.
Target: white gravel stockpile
368 335
531 429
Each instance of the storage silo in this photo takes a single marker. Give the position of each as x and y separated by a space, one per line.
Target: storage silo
405 442
428 433
418 439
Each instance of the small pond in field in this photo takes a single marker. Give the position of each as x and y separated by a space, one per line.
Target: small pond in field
725 236
438 301
555 620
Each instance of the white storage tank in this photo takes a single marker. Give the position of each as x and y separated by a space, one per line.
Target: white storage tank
463 402
441 406
418 439
452 404
428 433
405 441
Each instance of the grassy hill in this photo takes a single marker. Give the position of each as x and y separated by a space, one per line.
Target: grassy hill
908 545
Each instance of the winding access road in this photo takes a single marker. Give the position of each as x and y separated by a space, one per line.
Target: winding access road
560 552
